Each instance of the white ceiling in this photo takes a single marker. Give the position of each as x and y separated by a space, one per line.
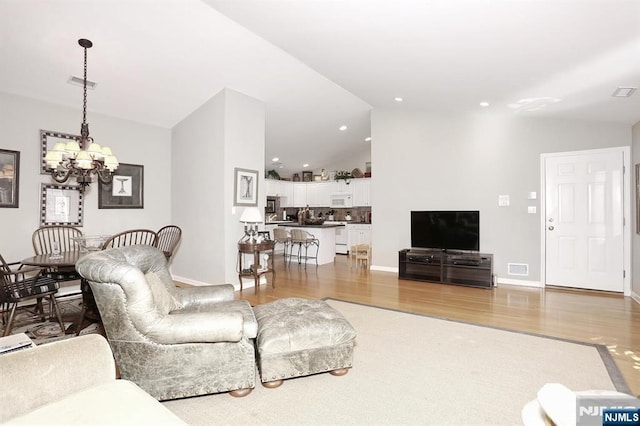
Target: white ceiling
318 64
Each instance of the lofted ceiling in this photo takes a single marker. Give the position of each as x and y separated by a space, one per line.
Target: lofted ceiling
319 64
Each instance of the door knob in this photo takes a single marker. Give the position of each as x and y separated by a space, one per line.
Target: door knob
551 228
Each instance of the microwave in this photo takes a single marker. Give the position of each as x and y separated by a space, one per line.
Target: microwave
340 200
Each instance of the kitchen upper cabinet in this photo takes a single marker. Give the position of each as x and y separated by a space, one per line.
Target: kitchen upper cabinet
271 187
361 192
324 194
341 186
317 194
299 195
312 194
282 189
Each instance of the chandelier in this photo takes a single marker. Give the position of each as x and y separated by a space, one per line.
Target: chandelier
82 157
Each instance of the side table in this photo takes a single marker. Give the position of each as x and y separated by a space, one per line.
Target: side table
256 269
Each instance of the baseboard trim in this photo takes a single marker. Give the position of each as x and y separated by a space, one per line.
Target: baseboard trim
522 283
635 297
384 268
246 282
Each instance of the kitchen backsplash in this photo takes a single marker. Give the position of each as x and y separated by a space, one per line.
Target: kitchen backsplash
358 214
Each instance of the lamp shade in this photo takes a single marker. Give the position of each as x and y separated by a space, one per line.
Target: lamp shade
251 215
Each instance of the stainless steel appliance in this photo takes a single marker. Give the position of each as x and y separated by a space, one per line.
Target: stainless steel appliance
341 236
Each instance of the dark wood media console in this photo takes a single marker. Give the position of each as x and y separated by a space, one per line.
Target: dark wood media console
450 267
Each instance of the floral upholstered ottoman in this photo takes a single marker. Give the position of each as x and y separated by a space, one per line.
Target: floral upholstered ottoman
299 337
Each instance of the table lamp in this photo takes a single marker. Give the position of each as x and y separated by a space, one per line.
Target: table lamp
250 217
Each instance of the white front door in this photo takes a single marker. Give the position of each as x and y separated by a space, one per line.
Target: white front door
584 220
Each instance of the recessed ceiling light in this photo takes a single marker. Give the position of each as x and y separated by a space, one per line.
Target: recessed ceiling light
275 159
623 92
484 104
305 165
367 139
398 99
343 128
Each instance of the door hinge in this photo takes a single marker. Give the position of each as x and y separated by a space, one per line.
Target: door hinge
624 274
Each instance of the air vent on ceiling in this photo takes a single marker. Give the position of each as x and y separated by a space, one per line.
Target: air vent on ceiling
623 92
518 269
77 81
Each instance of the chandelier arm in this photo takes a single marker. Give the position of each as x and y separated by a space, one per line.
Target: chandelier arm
105 176
60 177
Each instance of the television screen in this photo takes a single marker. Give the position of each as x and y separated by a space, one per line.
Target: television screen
446 230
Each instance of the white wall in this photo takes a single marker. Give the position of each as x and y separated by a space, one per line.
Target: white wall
20 122
428 162
228 131
635 249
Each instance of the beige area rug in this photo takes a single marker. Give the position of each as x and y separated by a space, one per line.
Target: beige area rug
414 369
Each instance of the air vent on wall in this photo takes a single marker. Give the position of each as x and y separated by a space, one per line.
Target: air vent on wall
77 81
518 269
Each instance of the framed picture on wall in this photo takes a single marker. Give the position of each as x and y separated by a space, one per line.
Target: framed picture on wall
61 205
245 187
126 189
48 139
9 178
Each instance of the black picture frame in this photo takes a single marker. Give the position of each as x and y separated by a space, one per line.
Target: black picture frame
48 139
9 178
270 206
126 189
307 176
61 205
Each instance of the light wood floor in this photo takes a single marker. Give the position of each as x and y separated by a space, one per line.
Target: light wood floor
594 317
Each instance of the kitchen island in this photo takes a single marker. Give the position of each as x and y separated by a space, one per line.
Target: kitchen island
326 235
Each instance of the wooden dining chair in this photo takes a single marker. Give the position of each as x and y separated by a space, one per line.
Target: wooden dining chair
46 237
132 237
168 238
20 285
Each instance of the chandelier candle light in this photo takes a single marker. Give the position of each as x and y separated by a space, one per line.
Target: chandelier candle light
81 158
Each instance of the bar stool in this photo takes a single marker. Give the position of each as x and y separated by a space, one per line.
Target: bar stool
303 238
281 236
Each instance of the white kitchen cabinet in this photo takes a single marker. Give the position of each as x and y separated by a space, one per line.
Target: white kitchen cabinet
280 188
271 187
324 194
299 194
361 192
312 194
286 193
341 186
358 234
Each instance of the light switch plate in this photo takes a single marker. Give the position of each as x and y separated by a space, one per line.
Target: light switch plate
503 201
532 195
531 209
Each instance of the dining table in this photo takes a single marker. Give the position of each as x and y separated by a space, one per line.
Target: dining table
68 259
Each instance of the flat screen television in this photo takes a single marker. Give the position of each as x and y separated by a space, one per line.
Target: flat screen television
446 230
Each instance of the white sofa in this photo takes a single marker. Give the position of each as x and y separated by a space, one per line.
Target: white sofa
73 382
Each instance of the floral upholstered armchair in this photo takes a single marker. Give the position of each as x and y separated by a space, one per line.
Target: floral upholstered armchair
172 342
